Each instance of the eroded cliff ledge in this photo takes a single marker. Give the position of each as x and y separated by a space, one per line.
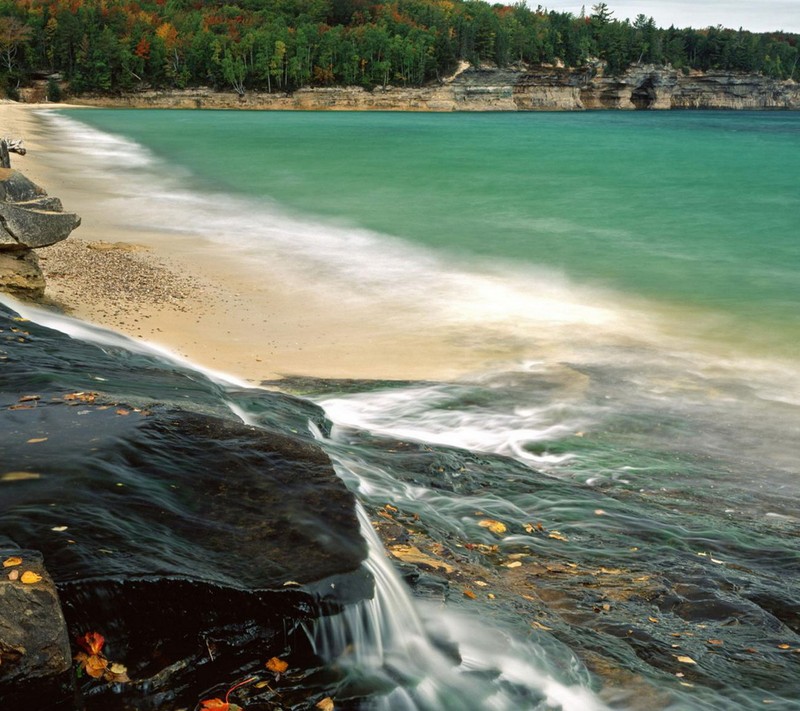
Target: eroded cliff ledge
523 89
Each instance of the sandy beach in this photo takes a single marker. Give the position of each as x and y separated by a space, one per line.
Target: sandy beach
200 303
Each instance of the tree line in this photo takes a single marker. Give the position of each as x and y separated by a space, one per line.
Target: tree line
279 45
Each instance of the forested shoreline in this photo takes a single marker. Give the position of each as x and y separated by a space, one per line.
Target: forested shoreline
116 46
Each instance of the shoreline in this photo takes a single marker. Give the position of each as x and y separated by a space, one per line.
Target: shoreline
188 296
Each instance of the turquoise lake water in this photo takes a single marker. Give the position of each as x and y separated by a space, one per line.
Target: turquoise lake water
697 211
641 274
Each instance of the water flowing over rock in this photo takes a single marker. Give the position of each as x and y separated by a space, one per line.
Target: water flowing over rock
196 545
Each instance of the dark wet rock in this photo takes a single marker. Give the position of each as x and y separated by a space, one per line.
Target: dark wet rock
35 656
196 545
33 634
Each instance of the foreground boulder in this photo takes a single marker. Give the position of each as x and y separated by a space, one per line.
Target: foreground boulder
35 657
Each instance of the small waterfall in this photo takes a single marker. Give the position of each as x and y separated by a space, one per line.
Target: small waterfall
406 657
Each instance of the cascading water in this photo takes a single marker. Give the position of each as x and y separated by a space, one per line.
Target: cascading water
413 657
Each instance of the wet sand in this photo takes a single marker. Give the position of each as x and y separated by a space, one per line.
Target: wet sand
196 300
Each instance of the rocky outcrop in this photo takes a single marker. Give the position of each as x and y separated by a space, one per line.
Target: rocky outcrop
29 219
35 656
543 88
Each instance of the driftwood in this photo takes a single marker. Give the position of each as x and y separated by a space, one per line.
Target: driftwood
7 146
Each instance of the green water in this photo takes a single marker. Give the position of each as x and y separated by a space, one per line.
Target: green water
696 211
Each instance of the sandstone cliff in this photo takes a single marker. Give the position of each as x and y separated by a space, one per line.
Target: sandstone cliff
491 89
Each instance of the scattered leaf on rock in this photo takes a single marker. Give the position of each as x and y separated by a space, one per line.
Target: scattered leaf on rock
30 398
716 642
784 646
540 626
497 527
30 578
413 555
468 593
19 476
685 660
214 705
326 704
13 575
514 564
12 561
36 440
654 620
277 666
558 536
58 529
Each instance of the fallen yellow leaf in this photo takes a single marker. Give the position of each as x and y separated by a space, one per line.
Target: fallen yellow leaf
515 564
19 476
278 666
326 704
685 660
30 578
558 536
36 440
784 646
12 561
468 593
497 527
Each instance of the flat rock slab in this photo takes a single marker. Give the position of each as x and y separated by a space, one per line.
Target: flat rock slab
28 217
192 542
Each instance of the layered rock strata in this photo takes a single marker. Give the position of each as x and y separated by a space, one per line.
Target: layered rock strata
543 88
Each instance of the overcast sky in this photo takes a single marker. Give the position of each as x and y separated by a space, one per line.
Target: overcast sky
754 15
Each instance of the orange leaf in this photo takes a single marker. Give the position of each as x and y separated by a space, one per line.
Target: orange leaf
96 666
30 578
497 527
12 561
278 666
214 705
468 593
92 642
326 704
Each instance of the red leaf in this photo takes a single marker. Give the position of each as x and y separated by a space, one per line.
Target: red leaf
92 642
214 705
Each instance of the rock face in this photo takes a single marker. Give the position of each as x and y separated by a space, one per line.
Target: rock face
196 545
33 634
35 657
543 88
29 219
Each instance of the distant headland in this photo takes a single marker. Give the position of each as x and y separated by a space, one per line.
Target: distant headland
429 55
